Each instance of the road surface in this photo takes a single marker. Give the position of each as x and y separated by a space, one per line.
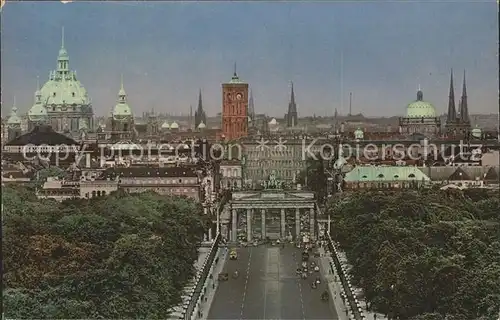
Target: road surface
269 288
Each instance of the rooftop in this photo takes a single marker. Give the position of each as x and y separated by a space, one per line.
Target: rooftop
42 135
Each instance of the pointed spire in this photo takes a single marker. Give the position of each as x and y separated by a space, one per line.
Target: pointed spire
292 109
62 38
251 108
14 107
452 111
235 74
464 110
122 95
200 102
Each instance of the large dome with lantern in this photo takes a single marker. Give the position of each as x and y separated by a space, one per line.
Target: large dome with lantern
420 108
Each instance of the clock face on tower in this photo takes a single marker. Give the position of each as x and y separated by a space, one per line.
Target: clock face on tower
239 96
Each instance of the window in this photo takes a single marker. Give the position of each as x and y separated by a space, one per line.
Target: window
411 175
396 176
54 94
380 175
364 177
72 94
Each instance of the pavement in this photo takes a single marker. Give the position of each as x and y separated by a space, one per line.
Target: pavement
269 288
177 312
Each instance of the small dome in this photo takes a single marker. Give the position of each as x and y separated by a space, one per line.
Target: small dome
37 113
359 134
63 54
174 125
13 118
121 111
273 122
420 108
201 125
165 125
476 132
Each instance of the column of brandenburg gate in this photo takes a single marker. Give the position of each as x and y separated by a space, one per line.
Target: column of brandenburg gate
263 209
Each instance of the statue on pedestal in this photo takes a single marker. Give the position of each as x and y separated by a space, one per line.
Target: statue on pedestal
272 182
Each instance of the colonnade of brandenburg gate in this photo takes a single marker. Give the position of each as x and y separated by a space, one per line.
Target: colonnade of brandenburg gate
269 213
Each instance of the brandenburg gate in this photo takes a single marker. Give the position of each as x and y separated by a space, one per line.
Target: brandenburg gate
271 213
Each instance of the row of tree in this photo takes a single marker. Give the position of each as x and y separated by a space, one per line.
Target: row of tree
121 256
426 255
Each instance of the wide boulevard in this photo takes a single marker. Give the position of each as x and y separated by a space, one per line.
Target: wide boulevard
269 288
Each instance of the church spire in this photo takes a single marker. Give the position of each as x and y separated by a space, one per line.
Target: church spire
452 112
122 95
62 38
251 108
292 97
199 115
464 110
62 58
200 103
292 110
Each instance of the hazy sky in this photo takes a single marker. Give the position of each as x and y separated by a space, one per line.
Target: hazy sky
168 50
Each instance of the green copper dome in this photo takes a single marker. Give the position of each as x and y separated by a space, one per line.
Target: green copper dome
420 108
122 110
63 88
165 125
38 113
359 134
476 132
14 118
67 91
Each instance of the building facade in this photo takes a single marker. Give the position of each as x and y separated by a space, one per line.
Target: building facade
231 175
235 108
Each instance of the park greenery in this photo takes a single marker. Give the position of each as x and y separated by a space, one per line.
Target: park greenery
423 255
115 257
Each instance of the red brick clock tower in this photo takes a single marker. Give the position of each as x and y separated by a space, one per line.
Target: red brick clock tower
235 108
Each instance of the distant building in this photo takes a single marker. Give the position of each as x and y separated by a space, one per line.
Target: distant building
14 129
42 144
291 116
457 122
200 118
122 118
231 175
381 177
235 108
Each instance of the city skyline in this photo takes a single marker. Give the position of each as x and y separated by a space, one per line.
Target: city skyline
168 51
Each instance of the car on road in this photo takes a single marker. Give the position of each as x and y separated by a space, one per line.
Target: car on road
233 255
223 276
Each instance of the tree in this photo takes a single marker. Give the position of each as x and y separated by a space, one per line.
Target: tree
120 256
313 176
422 255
